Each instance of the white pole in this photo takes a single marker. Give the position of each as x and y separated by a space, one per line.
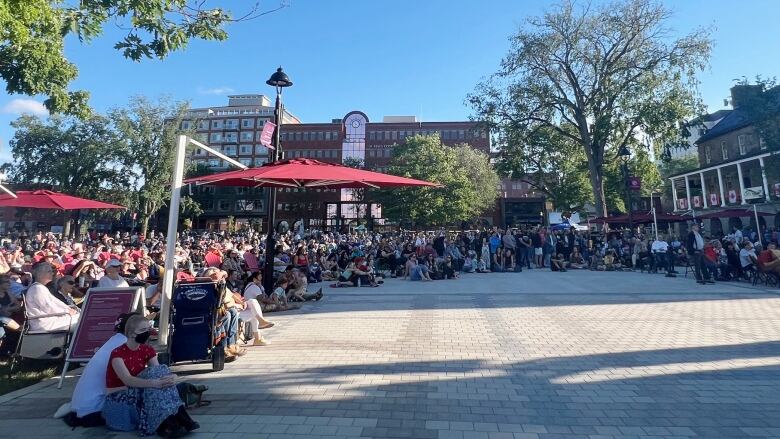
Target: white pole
655 223
170 247
758 226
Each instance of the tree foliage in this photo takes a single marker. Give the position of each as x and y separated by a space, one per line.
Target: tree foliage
469 183
147 131
550 163
78 157
33 32
611 72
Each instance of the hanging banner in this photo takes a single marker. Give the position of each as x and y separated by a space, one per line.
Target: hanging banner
635 183
733 197
714 200
696 201
777 190
682 204
266 137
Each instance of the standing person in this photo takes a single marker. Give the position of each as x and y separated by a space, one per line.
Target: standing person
140 392
695 247
548 249
525 249
537 238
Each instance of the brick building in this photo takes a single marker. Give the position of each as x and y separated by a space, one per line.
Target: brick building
235 130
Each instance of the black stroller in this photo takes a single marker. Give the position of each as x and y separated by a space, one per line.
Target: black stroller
194 319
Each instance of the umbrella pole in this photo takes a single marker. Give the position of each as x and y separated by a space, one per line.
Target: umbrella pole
170 246
655 224
758 226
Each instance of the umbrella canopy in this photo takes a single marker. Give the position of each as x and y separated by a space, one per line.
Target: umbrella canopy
733 213
307 173
42 199
639 218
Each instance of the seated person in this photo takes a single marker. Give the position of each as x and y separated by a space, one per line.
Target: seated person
297 291
140 392
557 262
280 290
468 263
611 262
9 308
448 269
576 261
86 404
748 258
769 259
40 302
660 250
415 271
253 313
112 277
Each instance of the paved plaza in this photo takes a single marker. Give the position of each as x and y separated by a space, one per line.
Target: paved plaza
494 356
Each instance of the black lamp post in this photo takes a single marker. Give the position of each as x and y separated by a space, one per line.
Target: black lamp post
279 80
624 154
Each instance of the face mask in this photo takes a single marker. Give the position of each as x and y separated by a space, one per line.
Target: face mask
142 337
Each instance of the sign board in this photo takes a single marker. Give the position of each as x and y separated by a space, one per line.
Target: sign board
266 137
733 197
635 183
753 193
96 325
554 218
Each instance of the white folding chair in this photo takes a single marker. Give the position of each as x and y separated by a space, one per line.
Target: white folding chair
41 345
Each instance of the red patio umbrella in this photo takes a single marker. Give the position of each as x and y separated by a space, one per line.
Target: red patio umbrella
307 173
42 199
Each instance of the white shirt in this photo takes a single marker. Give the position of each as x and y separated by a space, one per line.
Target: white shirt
107 282
744 256
90 392
39 301
252 291
660 246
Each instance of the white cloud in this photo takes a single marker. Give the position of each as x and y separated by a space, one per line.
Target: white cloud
25 106
215 90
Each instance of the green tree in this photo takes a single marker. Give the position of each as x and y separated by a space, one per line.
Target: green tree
469 183
33 33
77 157
550 163
611 72
639 164
148 132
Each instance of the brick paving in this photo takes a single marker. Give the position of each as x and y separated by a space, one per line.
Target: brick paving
521 355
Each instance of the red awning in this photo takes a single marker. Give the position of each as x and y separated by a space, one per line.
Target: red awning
42 199
733 213
306 173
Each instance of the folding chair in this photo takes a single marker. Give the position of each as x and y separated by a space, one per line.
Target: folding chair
689 267
41 345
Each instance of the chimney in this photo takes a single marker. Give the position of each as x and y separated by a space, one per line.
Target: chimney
742 94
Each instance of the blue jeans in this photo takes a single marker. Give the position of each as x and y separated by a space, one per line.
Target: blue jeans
230 325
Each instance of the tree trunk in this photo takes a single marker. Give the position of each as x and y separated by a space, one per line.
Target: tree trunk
144 225
597 184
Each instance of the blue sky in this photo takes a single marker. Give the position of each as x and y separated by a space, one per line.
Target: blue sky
384 57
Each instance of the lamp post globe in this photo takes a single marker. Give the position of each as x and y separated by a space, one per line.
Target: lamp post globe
278 80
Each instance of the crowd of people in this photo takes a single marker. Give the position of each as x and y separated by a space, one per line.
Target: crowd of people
44 277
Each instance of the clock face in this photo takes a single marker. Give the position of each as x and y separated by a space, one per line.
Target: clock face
355 123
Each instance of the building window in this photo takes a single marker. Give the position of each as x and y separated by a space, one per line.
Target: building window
707 154
744 141
724 150
185 124
761 142
231 124
216 124
203 125
207 205
246 161
215 163
260 162
247 123
215 138
229 150
247 135
242 190
245 149
231 137
224 205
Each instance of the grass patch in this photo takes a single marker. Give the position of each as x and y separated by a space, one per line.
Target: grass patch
30 373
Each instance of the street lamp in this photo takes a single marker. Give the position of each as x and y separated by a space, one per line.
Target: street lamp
279 80
624 155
